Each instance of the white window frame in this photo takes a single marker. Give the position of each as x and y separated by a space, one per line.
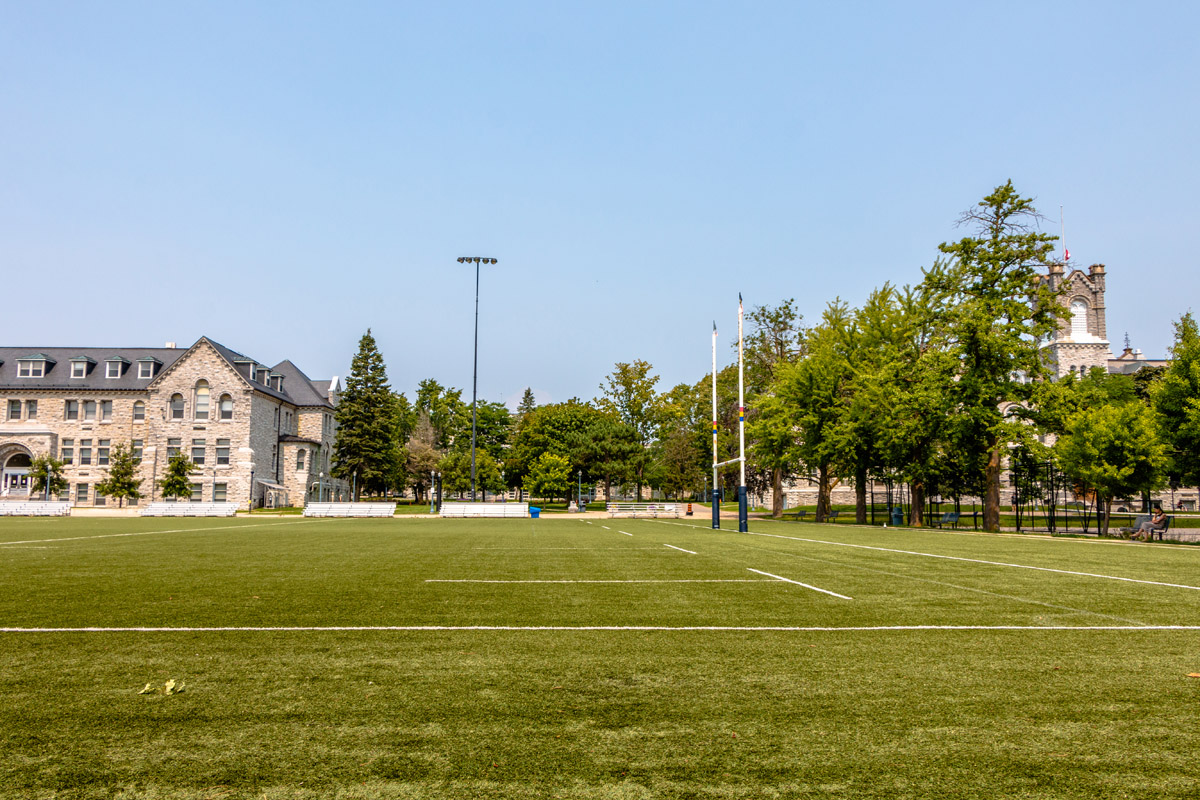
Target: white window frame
26 368
14 404
139 405
145 370
110 367
78 369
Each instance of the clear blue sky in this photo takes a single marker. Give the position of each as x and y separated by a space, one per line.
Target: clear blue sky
280 176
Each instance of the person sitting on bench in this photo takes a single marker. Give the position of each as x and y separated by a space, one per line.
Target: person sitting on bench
1157 522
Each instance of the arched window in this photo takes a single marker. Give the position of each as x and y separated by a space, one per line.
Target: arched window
176 406
1079 320
139 411
201 399
226 407
300 458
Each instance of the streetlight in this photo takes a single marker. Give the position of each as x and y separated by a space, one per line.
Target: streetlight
475 367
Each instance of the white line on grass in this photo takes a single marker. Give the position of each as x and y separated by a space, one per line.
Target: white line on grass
606 527
151 533
680 549
601 628
627 534
798 583
980 561
582 580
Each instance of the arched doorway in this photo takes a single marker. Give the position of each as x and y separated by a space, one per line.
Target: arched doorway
14 475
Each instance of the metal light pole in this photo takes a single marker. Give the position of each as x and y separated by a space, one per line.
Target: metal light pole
475 367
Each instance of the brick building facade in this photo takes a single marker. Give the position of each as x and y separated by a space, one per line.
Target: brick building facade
258 435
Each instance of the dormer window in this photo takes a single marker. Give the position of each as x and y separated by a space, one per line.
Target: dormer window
30 368
78 369
146 369
114 367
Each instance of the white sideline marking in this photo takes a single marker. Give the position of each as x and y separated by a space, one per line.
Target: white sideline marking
627 534
606 527
798 583
680 628
981 561
151 533
621 580
680 549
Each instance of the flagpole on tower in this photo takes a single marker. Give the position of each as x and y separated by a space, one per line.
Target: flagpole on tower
743 524
1062 230
716 502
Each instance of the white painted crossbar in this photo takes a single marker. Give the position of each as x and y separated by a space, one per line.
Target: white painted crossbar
643 509
186 509
349 509
485 510
36 508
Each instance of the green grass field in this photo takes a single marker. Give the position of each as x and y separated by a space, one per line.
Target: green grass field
413 658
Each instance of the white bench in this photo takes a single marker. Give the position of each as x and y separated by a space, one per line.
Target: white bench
188 509
494 510
349 509
36 508
643 509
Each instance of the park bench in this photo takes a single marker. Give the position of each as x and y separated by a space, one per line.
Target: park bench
798 515
487 510
1138 520
643 509
949 518
349 509
36 508
832 516
186 509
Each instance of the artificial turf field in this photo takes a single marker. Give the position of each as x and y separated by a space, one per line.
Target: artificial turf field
559 657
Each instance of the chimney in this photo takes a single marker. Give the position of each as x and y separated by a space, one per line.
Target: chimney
169 345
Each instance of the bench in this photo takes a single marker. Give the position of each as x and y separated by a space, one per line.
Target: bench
949 518
186 509
643 509
798 515
1137 523
36 508
487 510
832 517
349 509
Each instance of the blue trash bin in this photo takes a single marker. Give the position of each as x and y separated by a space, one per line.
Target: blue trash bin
897 517
534 511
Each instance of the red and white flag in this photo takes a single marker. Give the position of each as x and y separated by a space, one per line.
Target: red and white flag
1066 254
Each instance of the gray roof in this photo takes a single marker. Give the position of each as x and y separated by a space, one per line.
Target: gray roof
303 391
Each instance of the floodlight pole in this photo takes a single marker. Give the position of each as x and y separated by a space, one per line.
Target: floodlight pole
743 524
475 364
716 503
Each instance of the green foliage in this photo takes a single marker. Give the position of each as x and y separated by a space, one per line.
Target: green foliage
628 392
560 428
1176 398
549 477
177 480
122 482
365 449
455 467
449 416
528 403
45 470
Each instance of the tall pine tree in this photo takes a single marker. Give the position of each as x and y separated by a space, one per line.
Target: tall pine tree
365 449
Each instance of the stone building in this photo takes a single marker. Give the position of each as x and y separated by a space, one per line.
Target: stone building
258 435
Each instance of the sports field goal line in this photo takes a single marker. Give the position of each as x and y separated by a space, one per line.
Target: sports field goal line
606 628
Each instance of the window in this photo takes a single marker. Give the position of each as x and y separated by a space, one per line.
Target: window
173 446
202 400
219 492
198 452
136 448
14 409
226 407
100 499
1079 319
31 409
102 452
31 369
300 458
89 410
85 452
78 369
81 493
275 459
67 451
112 369
139 411
197 492
106 410
145 369
71 410
64 495
176 406
222 452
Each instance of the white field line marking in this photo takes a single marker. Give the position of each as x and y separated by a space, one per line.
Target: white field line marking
571 628
627 534
981 561
151 533
622 580
606 527
798 583
680 549
904 576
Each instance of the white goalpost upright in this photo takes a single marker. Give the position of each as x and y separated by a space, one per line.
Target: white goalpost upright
743 523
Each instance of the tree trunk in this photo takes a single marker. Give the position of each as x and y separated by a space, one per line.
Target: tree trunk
823 492
991 499
916 509
777 493
1106 505
860 496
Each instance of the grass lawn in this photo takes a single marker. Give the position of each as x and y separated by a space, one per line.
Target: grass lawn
424 658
